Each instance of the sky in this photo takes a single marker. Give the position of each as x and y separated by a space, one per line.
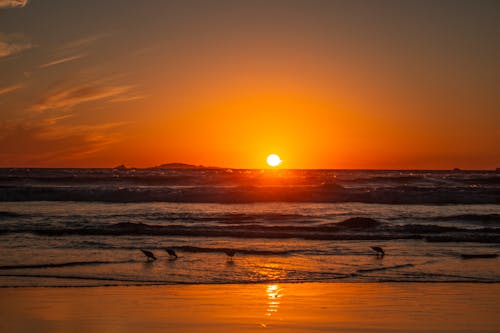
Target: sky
322 83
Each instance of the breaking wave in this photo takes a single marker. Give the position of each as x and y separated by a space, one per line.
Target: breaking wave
196 249
6 215
351 229
64 264
249 194
201 185
468 217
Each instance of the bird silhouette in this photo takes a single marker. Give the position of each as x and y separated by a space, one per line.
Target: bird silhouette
149 255
230 253
380 251
171 252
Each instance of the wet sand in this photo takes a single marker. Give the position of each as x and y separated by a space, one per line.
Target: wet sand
306 307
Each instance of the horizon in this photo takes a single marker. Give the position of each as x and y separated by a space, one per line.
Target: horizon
268 168
325 85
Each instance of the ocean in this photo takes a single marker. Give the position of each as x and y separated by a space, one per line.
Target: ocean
85 227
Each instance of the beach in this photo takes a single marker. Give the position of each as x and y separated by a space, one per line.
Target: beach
286 307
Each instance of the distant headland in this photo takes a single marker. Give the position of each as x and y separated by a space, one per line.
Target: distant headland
177 166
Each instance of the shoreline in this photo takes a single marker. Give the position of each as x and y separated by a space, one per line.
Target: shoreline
280 307
145 285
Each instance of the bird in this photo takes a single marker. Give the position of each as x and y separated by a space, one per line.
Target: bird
149 255
171 252
380 251
230 253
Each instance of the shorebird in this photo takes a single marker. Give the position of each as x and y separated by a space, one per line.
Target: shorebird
380 251
171 252
230 253
149 255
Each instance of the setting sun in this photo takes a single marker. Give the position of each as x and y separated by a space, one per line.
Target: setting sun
273 160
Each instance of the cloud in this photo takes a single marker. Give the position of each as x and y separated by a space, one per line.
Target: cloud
78 94
84 41
62 61
13 3
47 141
66 52
13 44
122 99
6 90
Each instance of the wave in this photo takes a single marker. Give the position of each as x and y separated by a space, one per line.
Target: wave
196 249
357 222
222 218
339 231
479 256
488 180
6 215
468 217
115 281
386 179
250 194
473 238
371 270
226 218
64 264
431 178
97 278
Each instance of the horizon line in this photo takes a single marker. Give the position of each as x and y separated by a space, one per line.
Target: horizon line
203 167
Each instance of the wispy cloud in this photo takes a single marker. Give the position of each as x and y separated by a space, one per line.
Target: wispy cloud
122 99
13 3
12 44
83 42
62 60
47 141
53 120
77 94
8 89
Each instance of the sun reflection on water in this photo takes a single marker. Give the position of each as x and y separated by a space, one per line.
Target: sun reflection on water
274 294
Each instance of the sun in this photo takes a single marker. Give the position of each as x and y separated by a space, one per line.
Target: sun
273 160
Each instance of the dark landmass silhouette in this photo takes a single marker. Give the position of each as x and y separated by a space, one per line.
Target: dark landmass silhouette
183 166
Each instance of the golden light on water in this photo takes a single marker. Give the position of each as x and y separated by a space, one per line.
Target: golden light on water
273 299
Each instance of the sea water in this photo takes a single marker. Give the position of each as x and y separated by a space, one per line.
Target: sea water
85 227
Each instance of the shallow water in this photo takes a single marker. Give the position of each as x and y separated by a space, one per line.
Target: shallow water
76 227
94 244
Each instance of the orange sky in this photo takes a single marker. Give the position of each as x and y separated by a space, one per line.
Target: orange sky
324 84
